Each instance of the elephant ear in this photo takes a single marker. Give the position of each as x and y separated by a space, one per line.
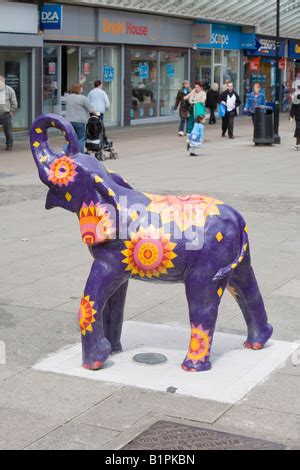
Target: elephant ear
98 213
119 180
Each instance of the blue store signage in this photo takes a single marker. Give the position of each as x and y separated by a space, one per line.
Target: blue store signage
266 47
227 37
51 16
294 49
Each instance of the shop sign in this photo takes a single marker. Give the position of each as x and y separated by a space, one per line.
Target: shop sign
266 47
109 73
51 16
144 71
294 49
127 27
222 37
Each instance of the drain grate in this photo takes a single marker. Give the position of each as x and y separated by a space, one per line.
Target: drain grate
166 435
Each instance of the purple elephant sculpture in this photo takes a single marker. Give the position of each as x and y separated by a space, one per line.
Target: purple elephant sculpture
196 240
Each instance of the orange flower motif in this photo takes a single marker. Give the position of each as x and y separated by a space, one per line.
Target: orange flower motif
199 345
96 226
185 211
149 253
62 171
86 315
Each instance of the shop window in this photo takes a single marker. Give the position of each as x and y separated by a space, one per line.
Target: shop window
203 67
231 67
90 67
144 83
173 71
50 79
15 66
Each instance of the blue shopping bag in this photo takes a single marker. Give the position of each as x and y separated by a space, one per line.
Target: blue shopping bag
222 110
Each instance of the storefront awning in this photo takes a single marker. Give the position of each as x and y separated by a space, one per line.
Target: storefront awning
259 13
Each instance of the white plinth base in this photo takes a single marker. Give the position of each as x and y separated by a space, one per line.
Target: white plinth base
235 370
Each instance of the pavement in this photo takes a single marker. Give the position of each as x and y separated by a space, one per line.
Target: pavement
44 267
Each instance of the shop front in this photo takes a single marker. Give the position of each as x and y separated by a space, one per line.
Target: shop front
218 52
155 62
20 59
260 67
142 61
73 54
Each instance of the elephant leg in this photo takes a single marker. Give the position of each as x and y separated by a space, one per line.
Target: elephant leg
113 316
244 288
101 285
203 302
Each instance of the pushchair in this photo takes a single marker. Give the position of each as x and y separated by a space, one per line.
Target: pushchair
96 140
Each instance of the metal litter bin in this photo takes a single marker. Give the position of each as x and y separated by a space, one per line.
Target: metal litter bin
263 126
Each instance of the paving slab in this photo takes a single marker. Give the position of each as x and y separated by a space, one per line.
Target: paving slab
258 422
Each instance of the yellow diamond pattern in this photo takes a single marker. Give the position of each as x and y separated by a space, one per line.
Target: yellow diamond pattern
38 130
219 237
36 144
68 197
220 292
98 179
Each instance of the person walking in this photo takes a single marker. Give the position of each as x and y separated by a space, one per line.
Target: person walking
197 99
8 106
99 99
212 101
295 113
184 107
78 109
254 99
197 136
231 100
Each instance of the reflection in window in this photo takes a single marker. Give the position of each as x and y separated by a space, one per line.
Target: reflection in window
203 67
144 84
50 79
173 69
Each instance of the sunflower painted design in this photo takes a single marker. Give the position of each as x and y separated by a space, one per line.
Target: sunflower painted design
200 344
185 211
86 315
149 253
96 225
62 171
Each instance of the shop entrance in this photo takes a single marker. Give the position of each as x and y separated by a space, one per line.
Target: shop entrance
16 67
69 67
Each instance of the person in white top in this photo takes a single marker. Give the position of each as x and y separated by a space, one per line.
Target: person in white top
99 99
231 100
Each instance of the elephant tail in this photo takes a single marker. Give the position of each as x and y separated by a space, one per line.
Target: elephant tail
223 272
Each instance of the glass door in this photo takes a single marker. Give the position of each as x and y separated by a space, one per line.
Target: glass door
111 83
51 73
16 67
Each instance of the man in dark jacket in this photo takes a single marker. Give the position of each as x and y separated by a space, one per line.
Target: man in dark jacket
231 100
212 101
184 107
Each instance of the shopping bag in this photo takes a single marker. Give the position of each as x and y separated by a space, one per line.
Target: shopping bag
199 110
222 110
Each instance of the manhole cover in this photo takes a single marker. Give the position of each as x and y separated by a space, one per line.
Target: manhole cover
150 358
165 435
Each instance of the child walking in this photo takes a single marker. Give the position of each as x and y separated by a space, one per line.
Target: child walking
196 137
